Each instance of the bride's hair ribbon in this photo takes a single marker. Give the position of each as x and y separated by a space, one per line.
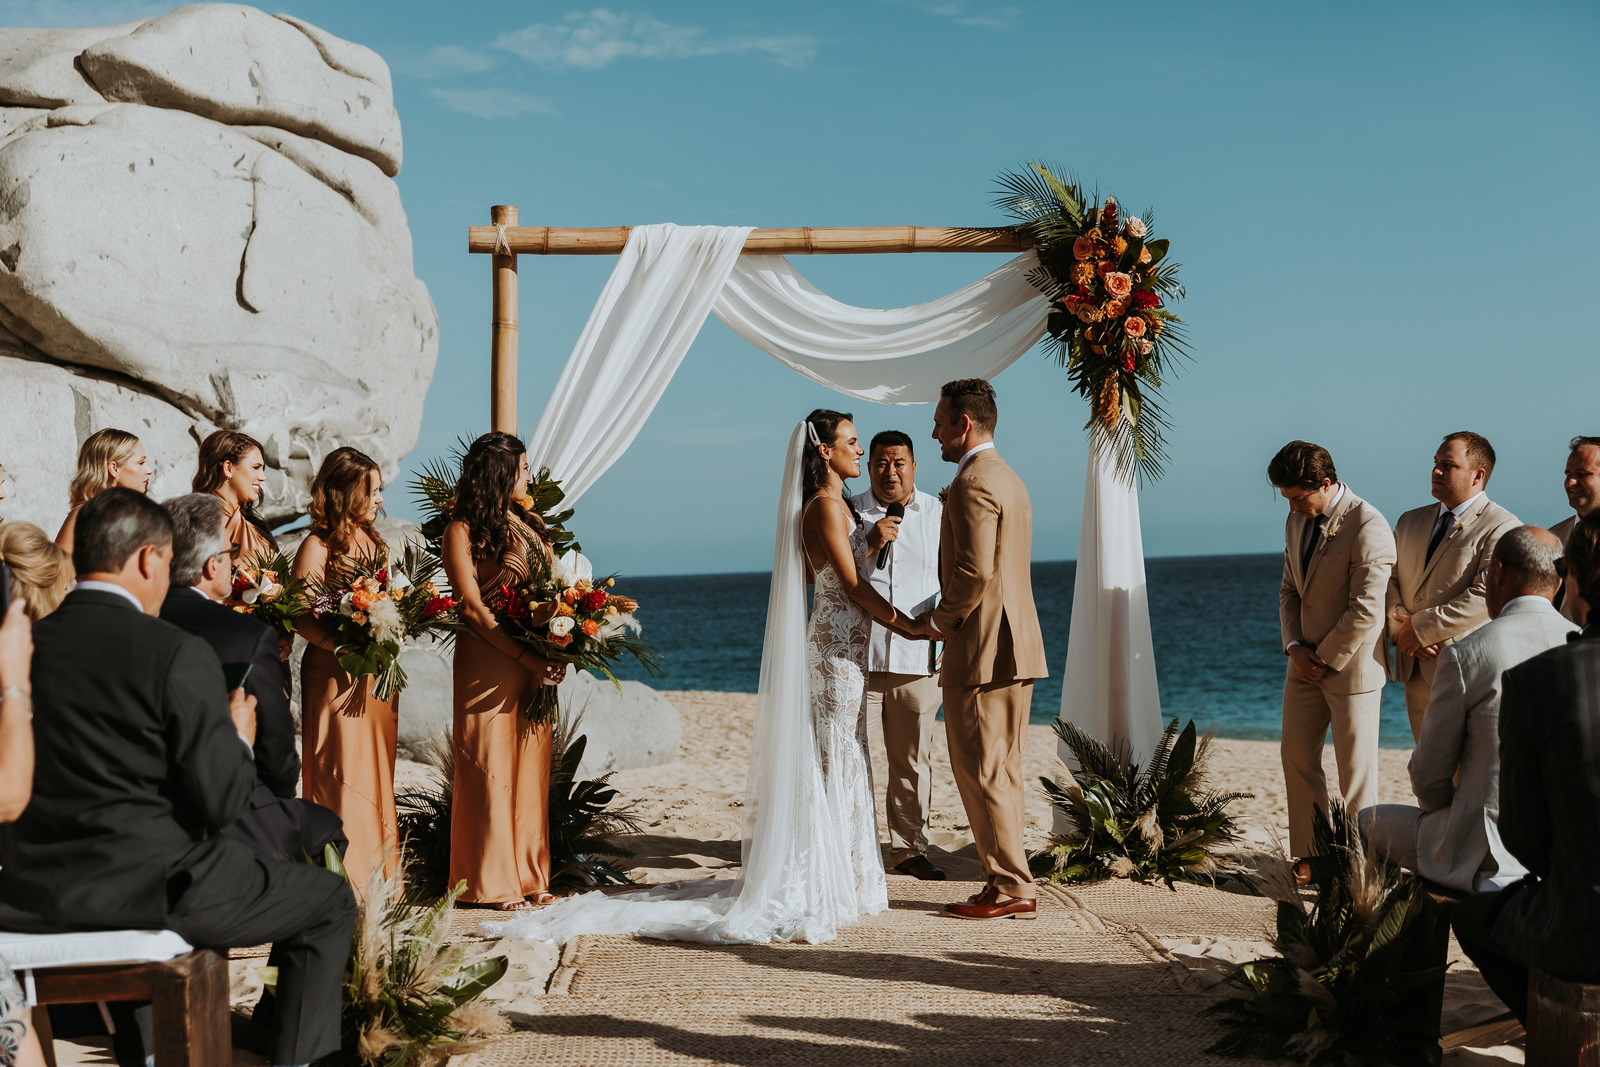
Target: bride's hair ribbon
811 432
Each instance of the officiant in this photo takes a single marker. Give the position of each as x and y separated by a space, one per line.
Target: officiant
902 686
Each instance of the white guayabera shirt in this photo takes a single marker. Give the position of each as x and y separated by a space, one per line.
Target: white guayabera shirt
909 580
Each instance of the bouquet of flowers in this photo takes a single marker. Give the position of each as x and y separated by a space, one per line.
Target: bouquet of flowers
375 607
1109 283
265 590
590 628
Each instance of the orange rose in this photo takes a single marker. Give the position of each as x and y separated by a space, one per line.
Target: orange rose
359 618
590 627
560 642
570 596
1082 248
1115 309
1134 326
361 599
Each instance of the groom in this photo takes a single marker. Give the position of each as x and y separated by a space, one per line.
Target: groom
993 649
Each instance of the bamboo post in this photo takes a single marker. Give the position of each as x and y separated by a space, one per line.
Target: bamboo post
503 339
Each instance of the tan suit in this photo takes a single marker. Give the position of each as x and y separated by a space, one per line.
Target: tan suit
1334 606
1445 595
992 655
1569 607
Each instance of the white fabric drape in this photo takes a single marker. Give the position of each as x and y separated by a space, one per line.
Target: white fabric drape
648 315
668 278
893 356
1109 687
796 882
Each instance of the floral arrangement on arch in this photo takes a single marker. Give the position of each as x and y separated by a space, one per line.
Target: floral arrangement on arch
1110 323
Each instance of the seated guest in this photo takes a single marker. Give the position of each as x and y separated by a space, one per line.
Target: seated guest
1452 838
277 823
41 572
139 768
107 459
19 1044
1549 808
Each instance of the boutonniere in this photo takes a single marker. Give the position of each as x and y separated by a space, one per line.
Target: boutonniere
1457 528
1329 532
944 494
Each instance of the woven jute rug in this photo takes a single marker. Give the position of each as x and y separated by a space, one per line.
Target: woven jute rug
910 986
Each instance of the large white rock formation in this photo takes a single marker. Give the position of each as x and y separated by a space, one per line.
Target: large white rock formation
199 229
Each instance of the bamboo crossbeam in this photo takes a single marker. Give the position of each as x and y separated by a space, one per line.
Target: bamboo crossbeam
793 241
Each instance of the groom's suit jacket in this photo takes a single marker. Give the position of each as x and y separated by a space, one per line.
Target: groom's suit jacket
1335 604
985 548
1444 595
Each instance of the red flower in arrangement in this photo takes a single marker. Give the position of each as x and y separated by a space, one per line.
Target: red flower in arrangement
594 601
511 604
382 576
437 606
1146 298
1108 216
1127 362
239 586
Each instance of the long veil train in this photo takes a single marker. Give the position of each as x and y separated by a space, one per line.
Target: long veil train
796 881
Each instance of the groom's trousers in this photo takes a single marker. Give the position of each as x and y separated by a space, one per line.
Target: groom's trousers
986 726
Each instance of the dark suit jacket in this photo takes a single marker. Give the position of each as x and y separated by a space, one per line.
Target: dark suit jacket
137 768
237 638
1550 807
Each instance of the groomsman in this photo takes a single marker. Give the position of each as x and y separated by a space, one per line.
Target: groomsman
1582 484
1337 556
901 685
1436 593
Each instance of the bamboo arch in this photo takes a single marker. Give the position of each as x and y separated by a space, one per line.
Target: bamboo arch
504 241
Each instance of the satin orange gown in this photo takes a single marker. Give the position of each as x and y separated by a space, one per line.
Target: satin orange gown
252 542
347 762
500 818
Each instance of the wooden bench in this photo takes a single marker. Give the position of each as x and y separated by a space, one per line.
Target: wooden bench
187 988
1563 1022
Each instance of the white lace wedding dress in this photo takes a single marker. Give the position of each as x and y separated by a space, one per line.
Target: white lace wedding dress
810 859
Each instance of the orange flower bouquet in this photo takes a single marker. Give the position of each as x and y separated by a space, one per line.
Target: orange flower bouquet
588 627
264 589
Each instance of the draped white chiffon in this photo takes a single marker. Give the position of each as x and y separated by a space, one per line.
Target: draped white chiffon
798 881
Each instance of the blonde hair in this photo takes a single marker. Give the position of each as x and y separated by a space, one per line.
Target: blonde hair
95 456
41 571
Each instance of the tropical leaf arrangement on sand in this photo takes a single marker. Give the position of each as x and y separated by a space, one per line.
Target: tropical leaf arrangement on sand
1110 285
410 998
586 829
434 492
1158 822
1347 989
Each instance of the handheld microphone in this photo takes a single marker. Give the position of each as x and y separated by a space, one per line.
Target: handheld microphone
893 511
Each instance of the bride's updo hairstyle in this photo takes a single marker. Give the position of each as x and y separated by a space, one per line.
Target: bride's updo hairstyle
483 494
341 496
814 469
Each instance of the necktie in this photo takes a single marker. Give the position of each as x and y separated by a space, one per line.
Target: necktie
1439 529
1311 541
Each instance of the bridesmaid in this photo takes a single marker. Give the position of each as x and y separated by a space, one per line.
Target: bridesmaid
347 739
233 470
107 458
500 822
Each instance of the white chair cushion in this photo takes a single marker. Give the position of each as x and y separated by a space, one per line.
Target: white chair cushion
43 951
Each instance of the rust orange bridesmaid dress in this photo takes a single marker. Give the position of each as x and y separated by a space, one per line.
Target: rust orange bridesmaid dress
347 761
500 820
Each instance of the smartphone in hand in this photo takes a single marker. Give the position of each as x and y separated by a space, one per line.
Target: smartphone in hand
234 674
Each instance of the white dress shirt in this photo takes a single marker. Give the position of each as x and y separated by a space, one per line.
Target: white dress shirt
1458 510
973 451
909 579
111 587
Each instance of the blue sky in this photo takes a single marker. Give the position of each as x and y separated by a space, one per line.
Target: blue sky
1385 214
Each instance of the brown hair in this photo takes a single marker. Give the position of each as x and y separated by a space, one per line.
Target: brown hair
341 493
95 456
1583 442
41 571
974 398
1583 561
1301 465
483 494
1480 453
227 446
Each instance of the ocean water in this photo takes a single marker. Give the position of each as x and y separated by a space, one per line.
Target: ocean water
1214 620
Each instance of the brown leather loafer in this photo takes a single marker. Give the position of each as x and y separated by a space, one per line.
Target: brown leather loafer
988 905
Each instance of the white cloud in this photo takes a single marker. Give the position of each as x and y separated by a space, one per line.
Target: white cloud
590 40
491 103
448 59
964 14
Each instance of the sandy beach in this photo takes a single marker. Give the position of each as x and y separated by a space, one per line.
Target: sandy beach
691 807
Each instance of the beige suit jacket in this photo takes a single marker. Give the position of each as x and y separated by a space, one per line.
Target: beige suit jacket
1445 595
1336 605
1569 606
985 549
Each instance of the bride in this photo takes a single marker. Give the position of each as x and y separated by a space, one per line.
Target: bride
810 839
